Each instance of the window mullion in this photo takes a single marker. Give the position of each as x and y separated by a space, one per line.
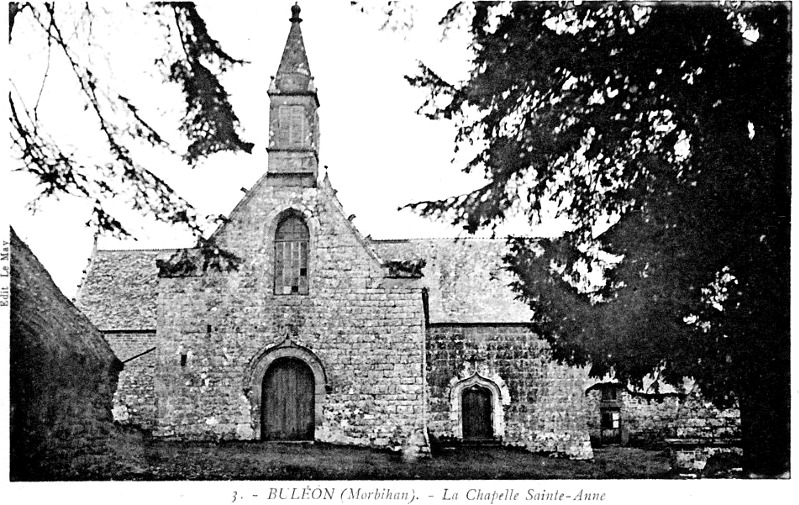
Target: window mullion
291 257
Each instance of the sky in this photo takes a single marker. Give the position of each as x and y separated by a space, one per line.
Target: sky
380 154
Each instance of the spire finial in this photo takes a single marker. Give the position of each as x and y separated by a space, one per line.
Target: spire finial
295 14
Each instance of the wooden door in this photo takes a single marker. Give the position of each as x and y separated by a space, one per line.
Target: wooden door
287 406
476 405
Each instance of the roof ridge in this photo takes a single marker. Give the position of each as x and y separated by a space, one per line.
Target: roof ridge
146 249
444 238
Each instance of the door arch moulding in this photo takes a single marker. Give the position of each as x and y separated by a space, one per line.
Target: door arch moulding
500 397
261 363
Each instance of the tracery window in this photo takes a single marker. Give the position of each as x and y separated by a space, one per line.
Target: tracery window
291 257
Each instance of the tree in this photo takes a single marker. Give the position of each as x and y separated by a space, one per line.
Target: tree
663 133
192 59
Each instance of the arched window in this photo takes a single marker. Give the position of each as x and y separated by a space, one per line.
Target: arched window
291 257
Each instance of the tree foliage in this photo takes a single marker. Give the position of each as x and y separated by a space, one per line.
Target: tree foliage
209 122
192 59
671 124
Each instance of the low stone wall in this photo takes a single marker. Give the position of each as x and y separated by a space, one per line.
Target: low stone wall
696 455
700 419
542 405
648 419
63 376
134 399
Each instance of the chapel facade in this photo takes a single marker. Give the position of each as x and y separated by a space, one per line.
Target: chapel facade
309 331
323 334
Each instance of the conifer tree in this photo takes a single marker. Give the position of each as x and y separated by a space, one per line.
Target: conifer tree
671 123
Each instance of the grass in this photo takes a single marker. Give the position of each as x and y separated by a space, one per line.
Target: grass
152 459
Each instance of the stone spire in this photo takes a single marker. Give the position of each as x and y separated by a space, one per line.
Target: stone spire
294 74
293 121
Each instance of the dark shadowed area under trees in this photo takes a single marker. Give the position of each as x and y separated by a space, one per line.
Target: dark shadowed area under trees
663 132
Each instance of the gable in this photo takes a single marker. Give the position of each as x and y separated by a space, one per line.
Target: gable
120 289
252 223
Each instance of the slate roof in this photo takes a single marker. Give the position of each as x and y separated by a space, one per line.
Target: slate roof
464 277
119 290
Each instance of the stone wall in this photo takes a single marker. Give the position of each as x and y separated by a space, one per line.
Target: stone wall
365 330
704 432
134 399
649 419
542 402
63 375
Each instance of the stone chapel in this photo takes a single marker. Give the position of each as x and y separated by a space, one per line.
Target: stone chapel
321 334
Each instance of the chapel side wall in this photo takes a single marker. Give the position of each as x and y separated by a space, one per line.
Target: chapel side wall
546 412
649 420
134 398
366 330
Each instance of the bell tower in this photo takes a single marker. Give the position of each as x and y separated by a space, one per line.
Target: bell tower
293 149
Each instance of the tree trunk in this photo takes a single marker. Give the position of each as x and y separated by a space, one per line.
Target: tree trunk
766 418
13 10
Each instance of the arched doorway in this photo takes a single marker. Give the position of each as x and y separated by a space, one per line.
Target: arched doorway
477 414
287 401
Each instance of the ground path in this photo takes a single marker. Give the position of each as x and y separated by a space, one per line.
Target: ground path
160 460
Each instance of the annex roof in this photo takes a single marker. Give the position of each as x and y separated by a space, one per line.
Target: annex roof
465 278
119 291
